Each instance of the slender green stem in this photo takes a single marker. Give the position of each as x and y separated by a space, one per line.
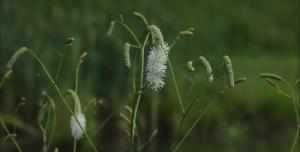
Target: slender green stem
101 126
61 96
77 75
74 145
52 106
294 101
149 140
193 125
138 94
293 148
182 120
61 61
292 96
134 71
53 129
131 33
176 86
76 91
12 137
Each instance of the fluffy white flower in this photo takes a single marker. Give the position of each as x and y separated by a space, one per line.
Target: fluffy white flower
156 66
76 131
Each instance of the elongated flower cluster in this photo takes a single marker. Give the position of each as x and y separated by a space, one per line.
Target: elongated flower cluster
15 56
127 54
229 71
208 70
156 66
76 131
157 37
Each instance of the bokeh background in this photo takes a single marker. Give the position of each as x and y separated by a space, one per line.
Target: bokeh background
259 36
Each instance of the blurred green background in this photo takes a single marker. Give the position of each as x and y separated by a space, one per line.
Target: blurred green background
259 36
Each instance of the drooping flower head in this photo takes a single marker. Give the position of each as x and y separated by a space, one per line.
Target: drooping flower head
156 63
229 71
78 126
76 131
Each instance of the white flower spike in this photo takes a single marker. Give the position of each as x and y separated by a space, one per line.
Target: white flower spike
77 130
156 63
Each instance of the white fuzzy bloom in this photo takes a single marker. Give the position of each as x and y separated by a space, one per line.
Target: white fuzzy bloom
76 131
156 66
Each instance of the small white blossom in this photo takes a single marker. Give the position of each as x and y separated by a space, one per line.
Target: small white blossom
76 131
156 66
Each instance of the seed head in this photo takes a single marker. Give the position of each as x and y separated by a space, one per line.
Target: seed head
14 57
83 55
240 80
69 42
157 37
208 70
271 76
142 17
127 54
185 33
229 71
110 28
190 66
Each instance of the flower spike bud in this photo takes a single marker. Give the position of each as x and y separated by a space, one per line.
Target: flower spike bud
69 42
142 17
83 55
271 76
208 70
127 54
110 28
15 57
190 66
157 37
240 80
229 71
77 128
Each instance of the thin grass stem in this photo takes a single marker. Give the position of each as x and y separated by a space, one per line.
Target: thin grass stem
176 86
176 147
12 138
61 96
137 97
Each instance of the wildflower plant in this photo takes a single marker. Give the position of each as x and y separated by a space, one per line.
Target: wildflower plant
274 80
77 118
153 75
149 61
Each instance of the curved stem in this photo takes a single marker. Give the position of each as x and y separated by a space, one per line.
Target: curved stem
295 140
12 138
137 97
131 33
134 71
61 60
182 121
193 125
61 96
294 101
292 96
176 86
76 77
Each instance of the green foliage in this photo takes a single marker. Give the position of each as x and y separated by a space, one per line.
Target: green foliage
259 36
